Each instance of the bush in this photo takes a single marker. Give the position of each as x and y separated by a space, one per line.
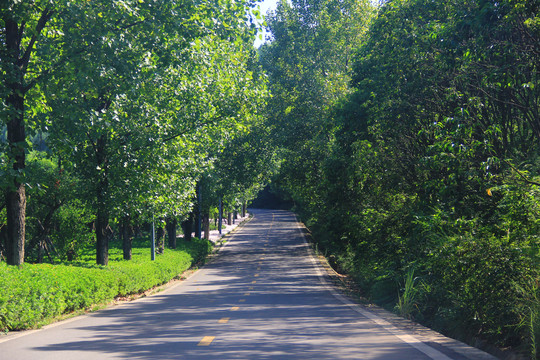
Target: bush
72 231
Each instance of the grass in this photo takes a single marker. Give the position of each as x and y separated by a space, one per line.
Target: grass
407 300
33 295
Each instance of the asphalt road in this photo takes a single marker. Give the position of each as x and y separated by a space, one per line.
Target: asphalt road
262 297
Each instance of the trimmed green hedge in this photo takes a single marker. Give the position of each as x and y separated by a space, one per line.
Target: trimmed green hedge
33 294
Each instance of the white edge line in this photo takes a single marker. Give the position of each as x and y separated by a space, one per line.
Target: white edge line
30 332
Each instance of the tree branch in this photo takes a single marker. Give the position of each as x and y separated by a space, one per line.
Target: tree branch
170 137
149 144
522 107
94 146
522 175
125 27
45 17
21 33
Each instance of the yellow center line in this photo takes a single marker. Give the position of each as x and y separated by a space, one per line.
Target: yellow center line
234 308
247 294
256 275
242 300
254 281
223 320
207 340
250 288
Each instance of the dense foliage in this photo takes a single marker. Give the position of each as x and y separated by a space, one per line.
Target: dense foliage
416 161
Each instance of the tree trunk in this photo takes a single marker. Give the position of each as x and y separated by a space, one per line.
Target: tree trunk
70 255
40 252
244 206
137 232
49 247
16 194
40 240
102 220
127 238
171 232
187 227
102 238
3 241
16 218
160 238
198 215
220 216
198 222
229 218
206 225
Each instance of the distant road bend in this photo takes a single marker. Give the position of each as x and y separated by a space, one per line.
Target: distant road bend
263 297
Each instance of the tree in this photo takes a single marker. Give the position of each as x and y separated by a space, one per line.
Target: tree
308 62
244 167
22 28
234 72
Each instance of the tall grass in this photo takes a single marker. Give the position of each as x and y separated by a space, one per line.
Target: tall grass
407 300
530 308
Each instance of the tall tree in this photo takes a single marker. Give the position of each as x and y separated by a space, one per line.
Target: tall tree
308 61
24 27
